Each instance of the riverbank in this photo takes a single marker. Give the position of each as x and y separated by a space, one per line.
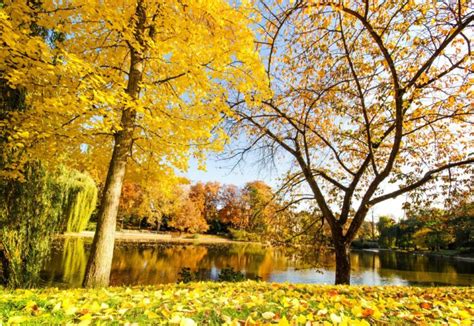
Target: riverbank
144 236
147 236
249 303
453 254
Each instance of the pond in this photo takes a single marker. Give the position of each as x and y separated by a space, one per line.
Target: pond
154 263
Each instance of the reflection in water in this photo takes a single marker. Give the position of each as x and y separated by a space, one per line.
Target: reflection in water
68 262
155 263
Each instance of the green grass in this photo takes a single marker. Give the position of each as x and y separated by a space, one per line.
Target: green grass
233 303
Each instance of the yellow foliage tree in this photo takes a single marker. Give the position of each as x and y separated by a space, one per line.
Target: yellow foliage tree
365 93
139 79
187 217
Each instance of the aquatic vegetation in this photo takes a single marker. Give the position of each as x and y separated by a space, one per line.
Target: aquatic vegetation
249 303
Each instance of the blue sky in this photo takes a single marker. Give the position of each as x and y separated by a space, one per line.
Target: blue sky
226 172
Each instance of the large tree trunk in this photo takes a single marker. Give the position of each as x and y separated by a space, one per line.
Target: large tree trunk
100 260
343 262
99 264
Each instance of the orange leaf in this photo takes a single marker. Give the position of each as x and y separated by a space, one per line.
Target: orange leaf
84 311
367 312
426 305
333 293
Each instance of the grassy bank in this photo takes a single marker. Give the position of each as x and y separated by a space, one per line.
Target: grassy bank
234 303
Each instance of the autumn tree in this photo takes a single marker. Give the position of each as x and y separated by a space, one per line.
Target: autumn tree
463 220
260 205
433 212
207 197
232 212
136 86
365 94
386 227
131 202
160 204
188 218
461 216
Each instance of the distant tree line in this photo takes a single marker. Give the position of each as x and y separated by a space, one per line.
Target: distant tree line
202 207
430 228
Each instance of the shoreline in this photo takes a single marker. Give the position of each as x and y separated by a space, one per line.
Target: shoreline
424 253
148 237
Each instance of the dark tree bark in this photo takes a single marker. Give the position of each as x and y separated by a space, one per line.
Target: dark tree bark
343 262
5 267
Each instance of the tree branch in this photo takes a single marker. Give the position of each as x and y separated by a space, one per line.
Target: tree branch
438 51
427 177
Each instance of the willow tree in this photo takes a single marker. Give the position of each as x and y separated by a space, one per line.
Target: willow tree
137 83
32 211
80 199
365 93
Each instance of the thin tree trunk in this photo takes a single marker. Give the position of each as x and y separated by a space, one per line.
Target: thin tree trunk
158 226
5 267
343 263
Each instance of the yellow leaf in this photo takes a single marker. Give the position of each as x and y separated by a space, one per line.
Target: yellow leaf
301 319
187 322
377 314
336 319
268 315
356 311
151 314
16 319
283 322
70 310
87 316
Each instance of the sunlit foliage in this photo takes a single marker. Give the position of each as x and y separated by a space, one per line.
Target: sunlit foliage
76 88
365 94
80 199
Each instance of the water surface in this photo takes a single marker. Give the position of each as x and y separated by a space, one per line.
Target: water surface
155 263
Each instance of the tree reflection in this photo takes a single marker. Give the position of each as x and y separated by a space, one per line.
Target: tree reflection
155 263
68 263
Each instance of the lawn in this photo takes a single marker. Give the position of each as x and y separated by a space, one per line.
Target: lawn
251 303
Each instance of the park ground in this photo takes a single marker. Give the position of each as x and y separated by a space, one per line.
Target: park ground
246 303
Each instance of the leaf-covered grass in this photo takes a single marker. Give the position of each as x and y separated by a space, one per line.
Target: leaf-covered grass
240 303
